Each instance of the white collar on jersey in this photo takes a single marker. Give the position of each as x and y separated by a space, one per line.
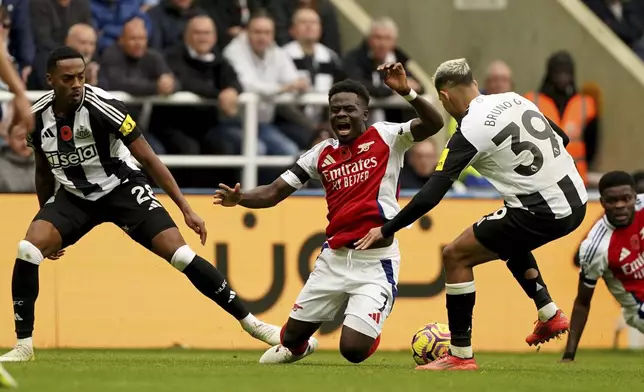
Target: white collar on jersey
607 223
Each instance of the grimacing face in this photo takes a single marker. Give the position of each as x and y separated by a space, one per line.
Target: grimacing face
347 116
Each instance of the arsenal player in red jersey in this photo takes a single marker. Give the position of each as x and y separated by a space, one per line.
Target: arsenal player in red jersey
612 251
359 172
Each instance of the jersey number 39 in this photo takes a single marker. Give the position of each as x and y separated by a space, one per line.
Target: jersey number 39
513 131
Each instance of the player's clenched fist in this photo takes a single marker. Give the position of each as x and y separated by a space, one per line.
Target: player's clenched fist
227 196
395 77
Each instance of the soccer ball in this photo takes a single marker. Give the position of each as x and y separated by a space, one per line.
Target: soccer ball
430 342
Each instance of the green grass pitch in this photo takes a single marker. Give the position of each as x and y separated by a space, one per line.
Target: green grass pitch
188 370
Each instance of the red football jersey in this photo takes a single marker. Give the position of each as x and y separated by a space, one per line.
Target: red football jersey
616 254
360 179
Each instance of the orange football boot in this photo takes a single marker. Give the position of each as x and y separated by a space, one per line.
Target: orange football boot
544 331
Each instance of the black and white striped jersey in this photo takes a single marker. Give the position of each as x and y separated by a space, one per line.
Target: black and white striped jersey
510 142
86 152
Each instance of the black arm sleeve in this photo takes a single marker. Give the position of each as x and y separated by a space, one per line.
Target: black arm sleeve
300 173
458 154
559 132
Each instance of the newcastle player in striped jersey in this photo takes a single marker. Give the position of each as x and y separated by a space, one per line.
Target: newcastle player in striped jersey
507 139
84 141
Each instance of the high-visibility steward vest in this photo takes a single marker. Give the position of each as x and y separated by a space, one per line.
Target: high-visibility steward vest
580 110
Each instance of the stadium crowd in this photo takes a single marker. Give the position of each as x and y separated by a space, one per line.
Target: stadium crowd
219 48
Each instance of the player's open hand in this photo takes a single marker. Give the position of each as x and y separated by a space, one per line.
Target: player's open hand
395 77
56 255
227 196
197 225
372 236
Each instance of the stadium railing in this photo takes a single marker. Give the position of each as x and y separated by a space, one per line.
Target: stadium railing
248 161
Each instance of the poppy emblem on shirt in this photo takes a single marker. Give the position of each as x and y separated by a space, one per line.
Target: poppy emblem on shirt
635 242
66 133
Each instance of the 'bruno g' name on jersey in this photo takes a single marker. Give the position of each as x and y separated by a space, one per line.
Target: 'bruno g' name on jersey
510 142
86 152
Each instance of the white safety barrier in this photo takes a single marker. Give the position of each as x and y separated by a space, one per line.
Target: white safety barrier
248 161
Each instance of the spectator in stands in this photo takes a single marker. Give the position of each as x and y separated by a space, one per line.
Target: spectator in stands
314 61
230 16
498 78
82 37
21 39
624 18
421 162
50 21
110 16
203 71
169 20
380 47
283 11
575 113
17 164
132 67
265 69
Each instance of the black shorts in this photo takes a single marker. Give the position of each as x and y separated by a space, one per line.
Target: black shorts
131 206
513 231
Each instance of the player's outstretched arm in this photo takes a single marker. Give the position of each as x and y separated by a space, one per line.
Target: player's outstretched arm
163 178
429 120
264 196
45 181
579 317
458 155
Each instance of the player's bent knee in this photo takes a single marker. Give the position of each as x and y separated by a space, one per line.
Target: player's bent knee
451 256
357 340
354 352
182 257
29 252
531 274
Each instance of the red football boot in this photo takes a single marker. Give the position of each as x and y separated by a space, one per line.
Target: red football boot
544 331
450 362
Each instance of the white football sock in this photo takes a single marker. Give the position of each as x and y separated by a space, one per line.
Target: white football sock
26 342
547 312
461 352
248 322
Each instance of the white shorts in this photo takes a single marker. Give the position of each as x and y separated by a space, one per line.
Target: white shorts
365 280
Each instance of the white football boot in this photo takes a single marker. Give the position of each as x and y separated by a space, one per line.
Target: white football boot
6 381
20 353
281 354
267 333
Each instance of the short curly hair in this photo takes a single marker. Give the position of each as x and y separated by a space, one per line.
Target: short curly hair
350 86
